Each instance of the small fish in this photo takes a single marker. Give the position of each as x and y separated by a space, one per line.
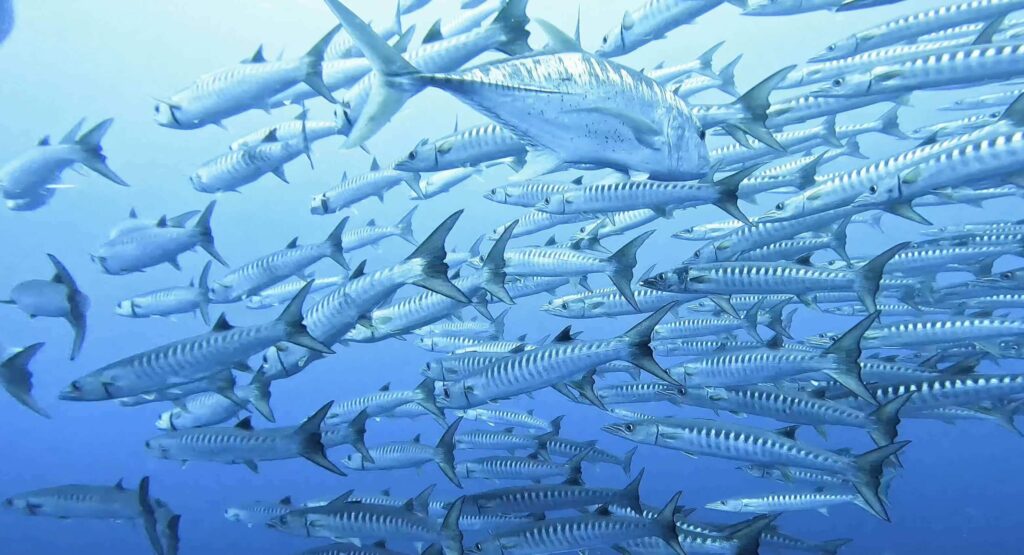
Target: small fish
170 301
58 297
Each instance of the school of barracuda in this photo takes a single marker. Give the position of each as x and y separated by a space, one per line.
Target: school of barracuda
613 151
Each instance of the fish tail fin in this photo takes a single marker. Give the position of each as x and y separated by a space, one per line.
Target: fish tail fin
869 480
513 21
778 322
172 531
291 317
425 398
446 453
886 419
623 262
434 275
852 149
314 59
832 547
754 105
889 123
807 173
727 77
631 494
728 192
259 395
405 227
357 433
451 534
19 378
869 276
627 461
752 318
706 59
839 238
78 302
204 287
639 339
94 159
665 524
499 323
847 349
494 267
394 84
311 447
747 534
334 243
206 233
149 517
828 132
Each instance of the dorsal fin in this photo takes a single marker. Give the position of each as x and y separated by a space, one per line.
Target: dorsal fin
551 241
270 137
45 141
578 180
132 214
162 222
788 432
372 222
775 342
119 484
380 544
564 336
803 260
287 500
245 424
433 33
256 58
521 338
358 272
222 323
374 165
416 438
293 243
385 387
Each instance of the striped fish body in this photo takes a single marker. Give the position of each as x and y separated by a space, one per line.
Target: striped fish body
457 367
79 501
510 468
575 106
804 108
507 418
529 371
526 193
470 147
360 187
651 21
952 391
636 392
938 332
358 520
266 271
553 262
144 248
163 302
567 534
291 131
787 502
690 328
257 513
541 498
233 169
337 75
201 410
471 18
283 292
375 404
753 366
606 303
227 445
917 261
28 175
630 195
535 221
223 380
499 441
419 311
180 362
561 447
726 278
391 456
782 407
617 223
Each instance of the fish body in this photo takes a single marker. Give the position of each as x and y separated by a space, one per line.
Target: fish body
284 291
150 246
651 21
376 182
470 147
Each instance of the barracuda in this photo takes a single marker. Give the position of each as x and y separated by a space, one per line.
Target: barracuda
506 440
244 445
881 423
744 443
597 531
457 367
529 193
799 175
248 85
170 301
265 271
911 27
805 246
483 329
946 129
237 168
735 155
193 358
742 538
473 146
616 223
552 364
384 401
790 475
797 279
954 391
539 498
282 292
724 80
371 233
802 108
700 65
258 513
650 21
841 362
985 101
625 121
517 468
299 129
788 502
410 454
552 444
496 417
660 196
931 333
606 303
376 182
211 408
689 328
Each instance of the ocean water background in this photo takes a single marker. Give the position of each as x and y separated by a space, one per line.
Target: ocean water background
107 58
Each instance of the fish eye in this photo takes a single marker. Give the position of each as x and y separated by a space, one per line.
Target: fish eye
494 191
780 206
148 444
838 82
696 254
681 390
873 189
831 48
604 40
412 155
1007 275
446 392
995 114
629 428
75 386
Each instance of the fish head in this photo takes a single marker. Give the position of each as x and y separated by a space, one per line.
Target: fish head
166 116
1005 279
88 388
434 370
422 158
839 49
823 340
126 308
566 307
555 203
159 447
166 421
689 234
881 194
732 505
639 431
354 461
453 394
674 394
673 280
294 521
200 182
234 515
789 209
427 343
320 205
856 84
613 43
25 502
756 470
498 194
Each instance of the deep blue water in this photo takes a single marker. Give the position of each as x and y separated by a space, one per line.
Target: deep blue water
107 58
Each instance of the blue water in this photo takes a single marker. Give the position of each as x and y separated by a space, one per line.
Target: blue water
107 58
